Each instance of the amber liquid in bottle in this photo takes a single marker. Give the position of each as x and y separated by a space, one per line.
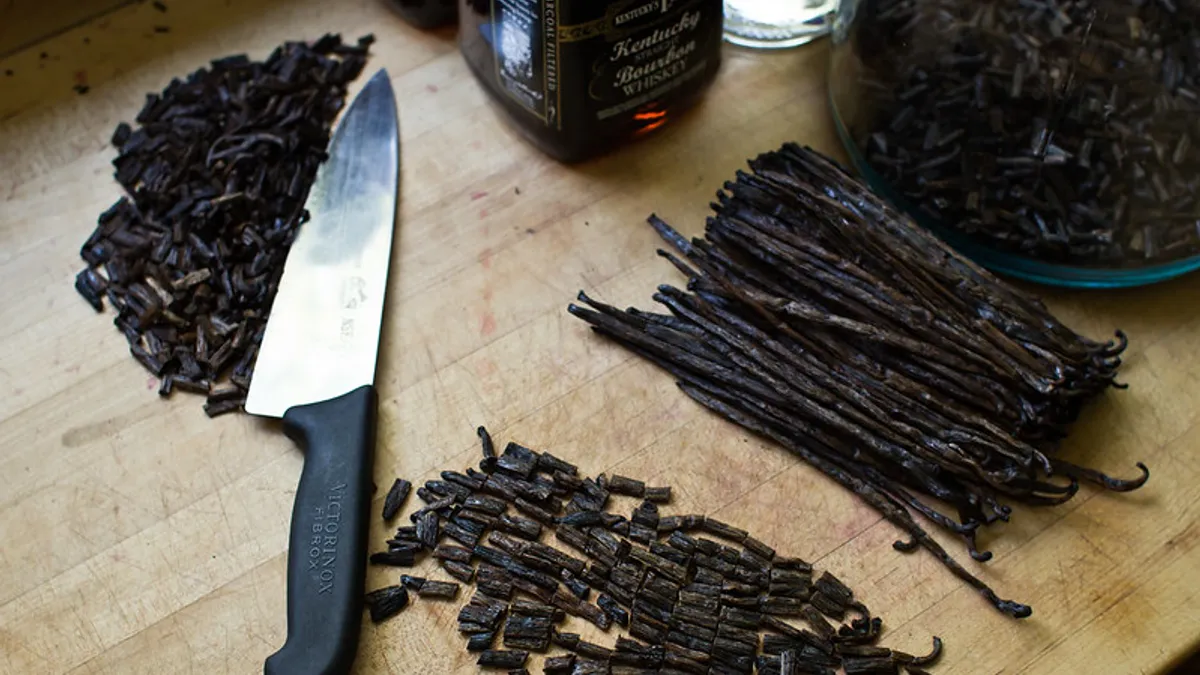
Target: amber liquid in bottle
581 77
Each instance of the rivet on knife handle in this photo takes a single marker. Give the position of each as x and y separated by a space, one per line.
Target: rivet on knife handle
328 545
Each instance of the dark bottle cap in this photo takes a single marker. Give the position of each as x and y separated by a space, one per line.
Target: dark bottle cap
426 14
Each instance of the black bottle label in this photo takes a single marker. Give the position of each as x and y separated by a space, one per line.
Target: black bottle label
586 61
525 67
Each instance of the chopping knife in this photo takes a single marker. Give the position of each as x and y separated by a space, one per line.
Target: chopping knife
316 369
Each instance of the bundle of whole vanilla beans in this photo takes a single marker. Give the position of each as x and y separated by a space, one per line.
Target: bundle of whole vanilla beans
820 317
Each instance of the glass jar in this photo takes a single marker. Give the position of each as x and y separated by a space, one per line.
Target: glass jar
579 77
1051 140
777 24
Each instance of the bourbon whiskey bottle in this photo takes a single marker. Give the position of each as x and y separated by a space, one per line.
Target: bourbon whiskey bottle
579 77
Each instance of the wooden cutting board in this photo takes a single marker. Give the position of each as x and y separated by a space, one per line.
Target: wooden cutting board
142 537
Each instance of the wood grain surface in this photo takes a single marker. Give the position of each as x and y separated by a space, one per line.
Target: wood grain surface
141 537
24 23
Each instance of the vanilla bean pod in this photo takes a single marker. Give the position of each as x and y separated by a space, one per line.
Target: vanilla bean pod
818 316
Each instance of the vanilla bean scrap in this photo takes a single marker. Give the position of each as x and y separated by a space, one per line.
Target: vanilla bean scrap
1060 133
385 603
395 499
819 317
502 659
441 590
689 603
215 175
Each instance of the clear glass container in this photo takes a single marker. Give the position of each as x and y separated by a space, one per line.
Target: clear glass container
777 24
1054 141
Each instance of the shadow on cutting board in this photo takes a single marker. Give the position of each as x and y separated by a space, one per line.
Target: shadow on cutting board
1189 666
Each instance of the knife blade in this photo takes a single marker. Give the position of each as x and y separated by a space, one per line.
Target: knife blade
316 370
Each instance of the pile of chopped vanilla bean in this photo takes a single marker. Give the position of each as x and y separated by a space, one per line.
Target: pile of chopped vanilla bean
1065 131
216 177
689 603
818 316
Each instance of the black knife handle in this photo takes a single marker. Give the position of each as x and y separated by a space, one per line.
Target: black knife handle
328 547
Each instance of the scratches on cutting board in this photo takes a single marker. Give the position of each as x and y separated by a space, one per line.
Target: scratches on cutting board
89 433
